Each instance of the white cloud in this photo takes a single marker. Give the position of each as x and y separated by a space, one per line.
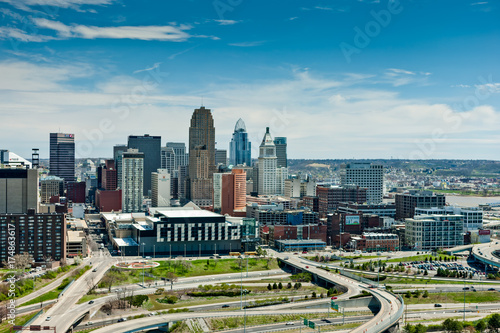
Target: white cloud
323 116
226 22
247 44
155 66
163 33
490 87
18 34
73 4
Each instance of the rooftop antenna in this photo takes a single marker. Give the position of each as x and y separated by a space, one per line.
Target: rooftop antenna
201 100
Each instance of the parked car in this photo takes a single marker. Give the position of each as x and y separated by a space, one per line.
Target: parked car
91 302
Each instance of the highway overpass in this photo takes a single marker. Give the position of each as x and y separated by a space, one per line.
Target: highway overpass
488 253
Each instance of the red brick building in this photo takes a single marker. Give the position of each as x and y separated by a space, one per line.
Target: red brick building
373 242
330 196
109 176
107 201
75 192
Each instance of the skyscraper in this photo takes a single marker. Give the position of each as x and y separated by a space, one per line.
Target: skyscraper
151 147
168 159
133 179
117 155
201 156
239 147
181 158
220 157
364 174
18 190
160 196
267 166
280 143
62 156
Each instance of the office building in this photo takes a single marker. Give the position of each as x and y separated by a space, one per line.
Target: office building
296 187
181 157
201 157
230 192
62 156
18 190
133 178
473 216
186 231
374 242
296 232
329 197
280 144
382 209
240 148
347 223
108 201
160 188
51 186
220 157
150 146
168 160
39 235
267 166
109 176
8 158
433 232
118 150
275 214
75 192
367 175
408 201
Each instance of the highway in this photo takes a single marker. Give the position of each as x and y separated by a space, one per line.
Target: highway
391 308
484 253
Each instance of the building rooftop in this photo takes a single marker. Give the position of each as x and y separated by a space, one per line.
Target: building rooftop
186 213
75 236
125 242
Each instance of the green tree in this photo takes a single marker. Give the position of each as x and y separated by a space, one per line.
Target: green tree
275 286
420 328
269 287
313 294
426 294
289 285
480 326
408 294
494 323
426 272
452 326
280 285
409 328
417 293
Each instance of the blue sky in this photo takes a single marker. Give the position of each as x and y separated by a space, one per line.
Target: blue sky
340 79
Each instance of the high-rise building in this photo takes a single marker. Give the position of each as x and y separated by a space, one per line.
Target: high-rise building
109 176
220 157
150 146
160 196
18 190
329 197
168 159
133 178
240 152
280 143
117 155
51 186
75 192
408 201
267 166
62 156
181 157
230 191
42 236
364 174
201 157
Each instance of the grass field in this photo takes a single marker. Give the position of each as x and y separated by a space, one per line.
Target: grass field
456 297
419 258
45 297
20 320
189 269
404 280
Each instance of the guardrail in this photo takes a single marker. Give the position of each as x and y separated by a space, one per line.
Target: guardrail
65 288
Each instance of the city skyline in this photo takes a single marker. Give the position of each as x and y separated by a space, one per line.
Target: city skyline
339 80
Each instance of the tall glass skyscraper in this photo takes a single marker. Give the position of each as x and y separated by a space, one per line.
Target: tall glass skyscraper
62 156
280 143
239 147
151 147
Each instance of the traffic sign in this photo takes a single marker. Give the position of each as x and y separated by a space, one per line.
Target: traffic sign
306 322
311 324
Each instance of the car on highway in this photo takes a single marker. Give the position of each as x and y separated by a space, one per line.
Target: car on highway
492 289
122 320
94 270
307 266
225 306
437 305
290 323
91 302
465 288
89 323
334 297
48 318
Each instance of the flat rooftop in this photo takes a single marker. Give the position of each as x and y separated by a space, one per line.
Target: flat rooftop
186 213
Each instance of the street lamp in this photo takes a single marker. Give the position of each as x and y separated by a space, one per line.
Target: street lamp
184 250
143 265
